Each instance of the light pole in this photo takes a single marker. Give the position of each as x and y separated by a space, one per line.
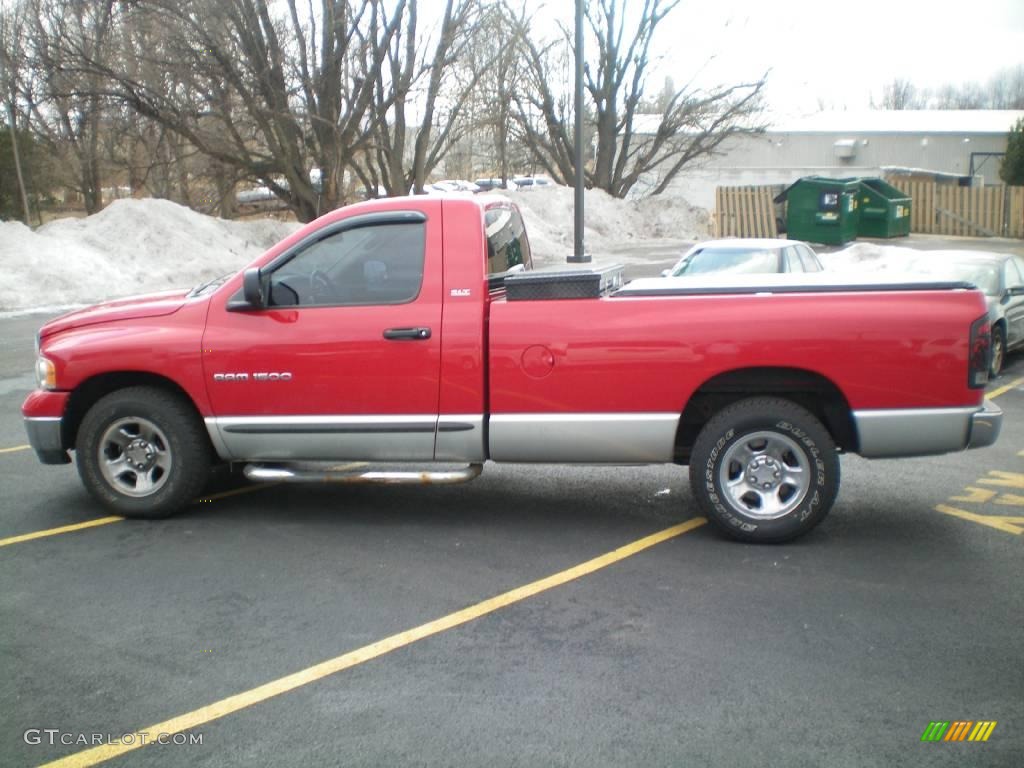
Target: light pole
579 256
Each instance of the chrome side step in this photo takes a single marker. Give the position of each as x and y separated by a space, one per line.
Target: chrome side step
334 473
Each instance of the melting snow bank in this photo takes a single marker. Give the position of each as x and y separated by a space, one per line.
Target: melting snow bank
868 258
132 246
611 223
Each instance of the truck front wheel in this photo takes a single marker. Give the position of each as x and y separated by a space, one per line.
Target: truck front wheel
764 470
143 452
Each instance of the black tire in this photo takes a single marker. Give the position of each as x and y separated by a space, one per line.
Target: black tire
163 432
769 443
998 351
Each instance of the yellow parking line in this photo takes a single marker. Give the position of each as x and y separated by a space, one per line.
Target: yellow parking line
999 522
117 518
1005 388
15 449
241 701
57 531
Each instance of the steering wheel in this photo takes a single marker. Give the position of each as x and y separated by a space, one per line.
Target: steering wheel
320 287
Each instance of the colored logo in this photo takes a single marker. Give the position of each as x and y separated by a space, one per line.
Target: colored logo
958 730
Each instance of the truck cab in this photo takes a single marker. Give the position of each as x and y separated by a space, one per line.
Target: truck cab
414 330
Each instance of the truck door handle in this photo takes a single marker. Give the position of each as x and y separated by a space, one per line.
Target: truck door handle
407 334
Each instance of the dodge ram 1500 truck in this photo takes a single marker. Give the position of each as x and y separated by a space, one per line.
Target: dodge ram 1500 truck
413 331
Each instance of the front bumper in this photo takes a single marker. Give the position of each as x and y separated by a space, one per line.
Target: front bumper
43 412
44 435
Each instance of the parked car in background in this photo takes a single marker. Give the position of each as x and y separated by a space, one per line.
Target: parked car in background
746 256
1000 277
528 183
449 186
491 182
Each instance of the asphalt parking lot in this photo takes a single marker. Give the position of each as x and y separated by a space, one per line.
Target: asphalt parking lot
537 616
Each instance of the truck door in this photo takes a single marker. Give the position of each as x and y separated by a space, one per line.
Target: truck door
344 361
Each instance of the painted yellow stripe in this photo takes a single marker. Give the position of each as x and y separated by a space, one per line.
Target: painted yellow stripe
998 522
988 731
1004 389
15 449
117 518
58 531
240 701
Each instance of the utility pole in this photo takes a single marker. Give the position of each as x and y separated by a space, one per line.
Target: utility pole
579 255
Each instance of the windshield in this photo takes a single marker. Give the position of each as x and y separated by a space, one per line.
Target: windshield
741 260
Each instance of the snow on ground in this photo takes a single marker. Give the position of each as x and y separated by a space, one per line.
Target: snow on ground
610 223
139 246
866 258
132 246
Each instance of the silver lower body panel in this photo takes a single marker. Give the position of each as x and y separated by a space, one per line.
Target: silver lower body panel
926 431
584 438
338 438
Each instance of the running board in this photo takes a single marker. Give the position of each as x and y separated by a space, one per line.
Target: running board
327 473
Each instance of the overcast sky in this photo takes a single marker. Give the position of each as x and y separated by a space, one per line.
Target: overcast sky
839 52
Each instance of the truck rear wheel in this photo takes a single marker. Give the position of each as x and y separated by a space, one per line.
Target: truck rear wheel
143 452
764 470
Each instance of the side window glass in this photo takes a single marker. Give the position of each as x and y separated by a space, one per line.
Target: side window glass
810 263
792 261
507 245
1011 274
381 264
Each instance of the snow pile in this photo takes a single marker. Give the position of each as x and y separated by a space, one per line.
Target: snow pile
132 246
866 258
610 222
870 257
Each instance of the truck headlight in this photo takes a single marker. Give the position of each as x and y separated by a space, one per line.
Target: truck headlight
46 374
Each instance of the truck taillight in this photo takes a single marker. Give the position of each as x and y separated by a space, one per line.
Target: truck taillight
980 353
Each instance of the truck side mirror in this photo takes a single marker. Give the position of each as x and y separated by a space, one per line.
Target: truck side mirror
252 288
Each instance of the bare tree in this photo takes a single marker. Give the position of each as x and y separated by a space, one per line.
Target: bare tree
901 94
65 105
271 90
10 55
1004 90
422 76
630 146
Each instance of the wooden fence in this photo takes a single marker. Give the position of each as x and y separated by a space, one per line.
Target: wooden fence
937 209
745 212
1015 212
947 209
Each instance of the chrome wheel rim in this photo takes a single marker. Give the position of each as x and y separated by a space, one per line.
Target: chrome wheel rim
135 457
998 350
765 475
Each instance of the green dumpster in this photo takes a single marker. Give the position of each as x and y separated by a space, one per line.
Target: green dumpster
821 210
884 210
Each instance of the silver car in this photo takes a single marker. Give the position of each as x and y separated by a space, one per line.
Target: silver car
746 256
1000 277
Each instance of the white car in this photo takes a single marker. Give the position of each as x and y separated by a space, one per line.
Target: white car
743 255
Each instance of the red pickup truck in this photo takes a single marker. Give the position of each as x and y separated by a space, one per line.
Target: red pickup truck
414 330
